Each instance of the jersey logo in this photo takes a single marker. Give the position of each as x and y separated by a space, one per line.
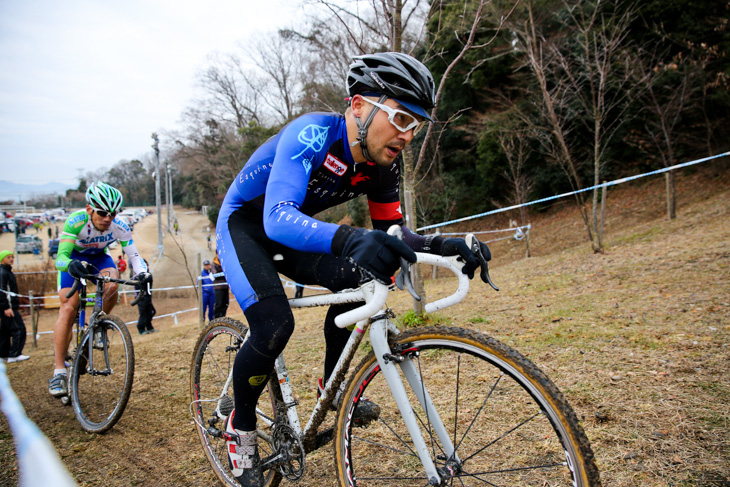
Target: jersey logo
74 221
355 180
313 137
335 165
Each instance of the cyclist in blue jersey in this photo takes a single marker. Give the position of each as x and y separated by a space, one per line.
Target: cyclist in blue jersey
266 224
83 250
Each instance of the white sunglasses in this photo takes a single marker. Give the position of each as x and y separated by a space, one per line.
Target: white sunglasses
401 120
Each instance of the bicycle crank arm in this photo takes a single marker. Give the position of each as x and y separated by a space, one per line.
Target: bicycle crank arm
101 372
274 460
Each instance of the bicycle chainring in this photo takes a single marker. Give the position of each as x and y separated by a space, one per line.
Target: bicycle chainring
288 444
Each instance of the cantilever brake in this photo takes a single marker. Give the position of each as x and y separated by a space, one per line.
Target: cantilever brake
474 246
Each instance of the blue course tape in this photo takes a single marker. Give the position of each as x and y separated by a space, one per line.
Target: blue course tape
550 198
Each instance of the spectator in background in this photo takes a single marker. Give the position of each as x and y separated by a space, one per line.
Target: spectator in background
122 265
221 290
206 283
146 309
50 232
12 328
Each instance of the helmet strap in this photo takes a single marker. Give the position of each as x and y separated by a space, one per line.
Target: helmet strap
362 129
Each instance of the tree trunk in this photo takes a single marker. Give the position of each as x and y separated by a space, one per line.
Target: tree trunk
523 214
597 233
411 222
671 195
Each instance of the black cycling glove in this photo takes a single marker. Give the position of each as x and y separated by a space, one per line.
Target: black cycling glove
143 277
458 246
374 250
78 269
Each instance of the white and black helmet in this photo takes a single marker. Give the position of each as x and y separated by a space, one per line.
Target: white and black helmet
395 75
101 196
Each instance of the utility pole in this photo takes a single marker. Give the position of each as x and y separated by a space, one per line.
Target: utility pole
156 147
169 197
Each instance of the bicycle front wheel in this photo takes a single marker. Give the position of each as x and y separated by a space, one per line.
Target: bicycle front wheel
507 422
101 384
211 389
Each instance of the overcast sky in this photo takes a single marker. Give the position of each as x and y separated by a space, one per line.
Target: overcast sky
84 83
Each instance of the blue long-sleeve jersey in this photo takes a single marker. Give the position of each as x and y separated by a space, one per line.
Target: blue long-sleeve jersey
304 169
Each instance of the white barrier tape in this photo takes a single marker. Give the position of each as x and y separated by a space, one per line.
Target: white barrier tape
217 274
543 200
503 238
294 285
55 296
38 462
174 315
35 272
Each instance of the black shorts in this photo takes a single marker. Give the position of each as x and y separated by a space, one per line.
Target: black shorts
252 262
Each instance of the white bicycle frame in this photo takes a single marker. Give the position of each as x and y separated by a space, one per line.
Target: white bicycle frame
373 313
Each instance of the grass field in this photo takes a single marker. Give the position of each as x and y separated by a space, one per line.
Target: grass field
636 338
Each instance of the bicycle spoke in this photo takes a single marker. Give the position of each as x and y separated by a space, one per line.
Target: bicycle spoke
212 363
510 431
410 452
503 423
102 374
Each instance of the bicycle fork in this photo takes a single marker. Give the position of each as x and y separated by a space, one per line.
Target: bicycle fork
387 362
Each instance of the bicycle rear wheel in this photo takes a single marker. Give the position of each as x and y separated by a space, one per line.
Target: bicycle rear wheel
99 396
212 396
508 422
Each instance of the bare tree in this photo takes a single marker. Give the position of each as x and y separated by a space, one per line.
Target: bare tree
670 93
554 134
515 145
600 80
281 62
231 93
585 78
399 25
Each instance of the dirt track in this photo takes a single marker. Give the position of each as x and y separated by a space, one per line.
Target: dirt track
637 339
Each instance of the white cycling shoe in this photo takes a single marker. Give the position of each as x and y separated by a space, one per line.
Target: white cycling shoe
243 455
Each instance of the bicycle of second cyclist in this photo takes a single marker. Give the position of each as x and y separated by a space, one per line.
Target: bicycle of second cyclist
101 369
471 410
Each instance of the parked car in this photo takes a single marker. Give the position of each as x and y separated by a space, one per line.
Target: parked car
53 247
25 244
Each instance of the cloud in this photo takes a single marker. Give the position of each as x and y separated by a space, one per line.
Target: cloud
84 83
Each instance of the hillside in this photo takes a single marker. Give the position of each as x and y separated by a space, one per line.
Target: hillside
636 338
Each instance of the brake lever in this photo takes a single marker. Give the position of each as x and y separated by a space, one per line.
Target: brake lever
475 248
403 279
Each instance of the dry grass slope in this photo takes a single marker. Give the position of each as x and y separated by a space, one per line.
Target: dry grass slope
636 338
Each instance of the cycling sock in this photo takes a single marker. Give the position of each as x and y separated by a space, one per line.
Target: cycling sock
271 323
59 371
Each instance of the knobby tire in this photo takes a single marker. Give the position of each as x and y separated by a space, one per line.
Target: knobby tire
99 397
510 424
213 358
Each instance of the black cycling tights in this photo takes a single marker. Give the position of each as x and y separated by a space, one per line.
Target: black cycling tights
272 323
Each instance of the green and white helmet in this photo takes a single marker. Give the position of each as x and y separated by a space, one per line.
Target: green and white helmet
101 196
